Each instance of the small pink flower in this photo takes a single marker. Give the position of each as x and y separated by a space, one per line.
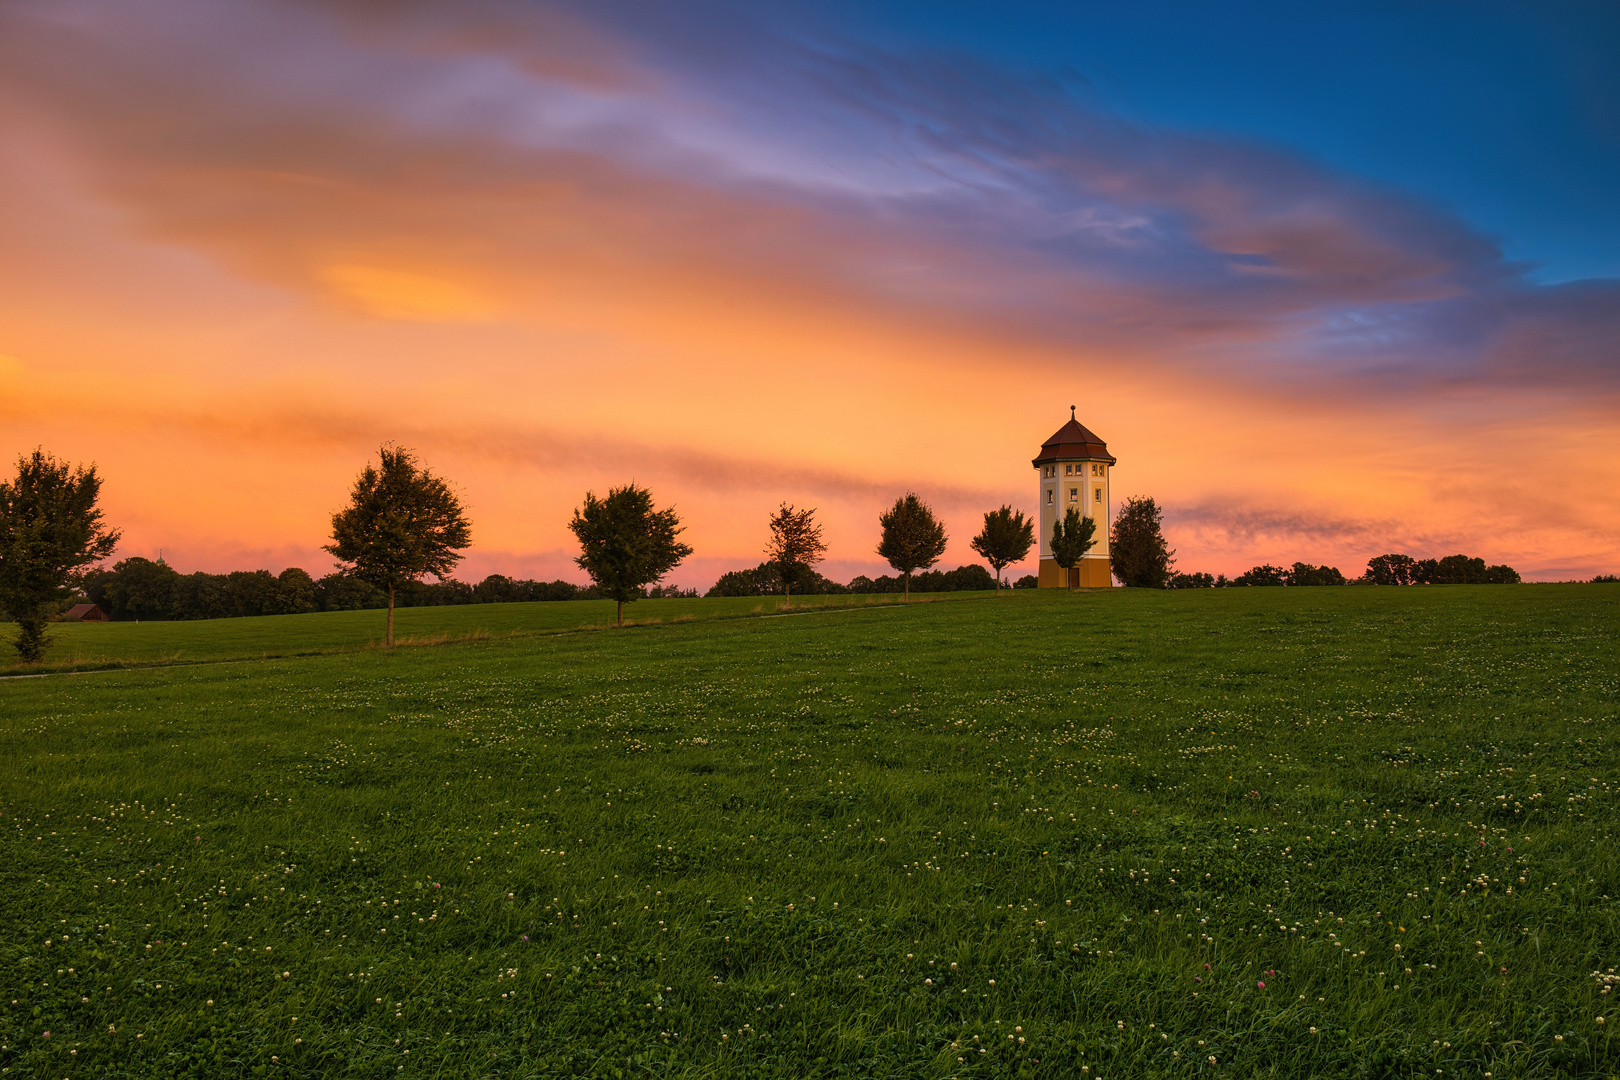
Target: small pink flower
1206 967
1198 978
1261 985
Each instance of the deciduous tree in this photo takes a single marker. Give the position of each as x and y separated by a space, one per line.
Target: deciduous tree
1140 556
626 545
401 524
1005 539
1392 570
51 533
1072 537
913 539
795 545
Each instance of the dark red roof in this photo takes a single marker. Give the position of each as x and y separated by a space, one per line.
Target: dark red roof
1074 440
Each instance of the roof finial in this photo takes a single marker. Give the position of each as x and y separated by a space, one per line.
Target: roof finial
1071 412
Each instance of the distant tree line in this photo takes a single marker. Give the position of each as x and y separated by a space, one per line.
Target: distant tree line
1381 570
138 588
765 580
1451 570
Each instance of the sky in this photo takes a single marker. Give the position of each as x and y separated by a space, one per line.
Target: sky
1330 283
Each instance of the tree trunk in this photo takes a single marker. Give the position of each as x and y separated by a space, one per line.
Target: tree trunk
390 616
31 637
621 614
787 593
998 579
908 586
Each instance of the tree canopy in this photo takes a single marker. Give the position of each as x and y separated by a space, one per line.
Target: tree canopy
1140 556
1005 539
795 545
626 545
1072 536
913 539
1392 569
401 524
51 532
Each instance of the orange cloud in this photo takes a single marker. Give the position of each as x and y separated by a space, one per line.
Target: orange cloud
390 293
243 250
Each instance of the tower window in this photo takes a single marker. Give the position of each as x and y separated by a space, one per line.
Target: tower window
1098 493
1066 469
1074 494
1048 496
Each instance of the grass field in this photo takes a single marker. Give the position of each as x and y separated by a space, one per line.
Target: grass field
89 646
1349 832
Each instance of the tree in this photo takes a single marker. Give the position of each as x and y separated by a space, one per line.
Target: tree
402 523
626 545
1006 539
296 591
51 533
913 539
1392 570
795 545
135 588
1072 537
1140 556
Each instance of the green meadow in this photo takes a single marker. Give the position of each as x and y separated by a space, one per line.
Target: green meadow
1330 832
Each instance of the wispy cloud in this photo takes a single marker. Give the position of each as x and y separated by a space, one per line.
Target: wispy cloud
726 210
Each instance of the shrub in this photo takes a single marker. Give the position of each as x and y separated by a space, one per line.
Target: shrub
1190 581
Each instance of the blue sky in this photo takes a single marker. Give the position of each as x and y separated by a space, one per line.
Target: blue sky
1506 114
1366 254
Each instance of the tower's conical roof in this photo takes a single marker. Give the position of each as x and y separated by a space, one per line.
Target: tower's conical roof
1074 440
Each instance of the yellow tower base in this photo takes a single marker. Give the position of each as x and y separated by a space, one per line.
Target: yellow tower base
1092 573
